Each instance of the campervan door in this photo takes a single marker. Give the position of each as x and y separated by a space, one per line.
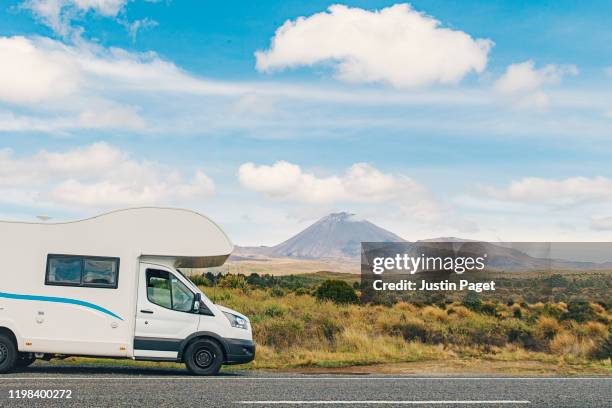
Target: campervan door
164 314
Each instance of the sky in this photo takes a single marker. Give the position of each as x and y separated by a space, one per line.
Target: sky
475 119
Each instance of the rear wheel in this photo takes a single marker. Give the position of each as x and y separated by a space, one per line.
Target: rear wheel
8 354
204 357
24 360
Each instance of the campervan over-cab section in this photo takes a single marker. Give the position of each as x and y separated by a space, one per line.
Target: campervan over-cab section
109 286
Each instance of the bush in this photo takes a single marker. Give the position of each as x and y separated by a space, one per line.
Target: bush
278 292
568 344
274 311
547 328
521 333
603 350
472 301
281 333
199 280
489 308
579 311
337 291
234 282
557 281
479 330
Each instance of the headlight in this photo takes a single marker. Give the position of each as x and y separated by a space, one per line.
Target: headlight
236 321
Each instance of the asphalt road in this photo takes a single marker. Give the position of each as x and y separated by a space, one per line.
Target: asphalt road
135 387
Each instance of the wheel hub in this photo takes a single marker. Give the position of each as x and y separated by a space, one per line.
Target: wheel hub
204 358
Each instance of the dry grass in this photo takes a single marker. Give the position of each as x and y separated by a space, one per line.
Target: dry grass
569 345
299 331
547 327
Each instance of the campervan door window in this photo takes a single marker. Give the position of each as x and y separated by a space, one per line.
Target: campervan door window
165 290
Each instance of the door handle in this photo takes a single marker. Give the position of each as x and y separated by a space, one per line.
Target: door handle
146 311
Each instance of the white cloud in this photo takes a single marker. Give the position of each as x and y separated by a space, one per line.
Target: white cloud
40 69
75 80
99 175
523 82
58 14
45 69
569 191
253 103
396 45
111 117
136 26
524 76
602 224
360 183
30 73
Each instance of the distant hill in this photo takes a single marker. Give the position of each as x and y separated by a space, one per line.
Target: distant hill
337 235
336 239
499 256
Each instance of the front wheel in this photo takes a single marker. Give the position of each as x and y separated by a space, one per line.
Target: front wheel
204 357
8 354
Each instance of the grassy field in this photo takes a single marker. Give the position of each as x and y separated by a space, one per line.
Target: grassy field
295 330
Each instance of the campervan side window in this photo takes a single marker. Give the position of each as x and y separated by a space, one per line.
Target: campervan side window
82 271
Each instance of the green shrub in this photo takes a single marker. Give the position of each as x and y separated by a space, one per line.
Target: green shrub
521 333
557 281
234 282
489 308
330 329
337 291
579 310
278 292
274 311
552 310
413 329
282 333
200 280
472 301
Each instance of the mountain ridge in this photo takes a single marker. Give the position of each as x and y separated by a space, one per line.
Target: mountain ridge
337 235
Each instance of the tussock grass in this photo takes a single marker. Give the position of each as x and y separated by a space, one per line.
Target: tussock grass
297 330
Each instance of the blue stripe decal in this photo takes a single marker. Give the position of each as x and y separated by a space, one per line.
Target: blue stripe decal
59 300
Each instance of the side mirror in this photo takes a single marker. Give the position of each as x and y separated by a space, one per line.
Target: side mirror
196 303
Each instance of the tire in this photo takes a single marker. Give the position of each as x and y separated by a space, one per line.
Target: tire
8 354
25 360
204 357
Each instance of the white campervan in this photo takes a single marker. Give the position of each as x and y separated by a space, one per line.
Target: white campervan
109 286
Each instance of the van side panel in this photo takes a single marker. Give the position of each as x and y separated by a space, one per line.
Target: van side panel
66 319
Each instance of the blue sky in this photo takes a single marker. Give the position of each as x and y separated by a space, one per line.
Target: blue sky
493 122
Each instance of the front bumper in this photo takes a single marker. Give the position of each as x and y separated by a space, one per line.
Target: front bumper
239 351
